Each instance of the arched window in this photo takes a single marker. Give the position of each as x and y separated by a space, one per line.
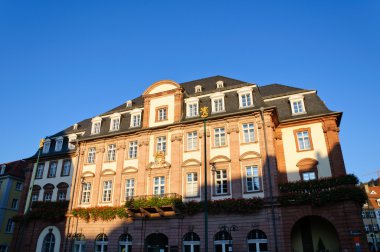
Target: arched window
222 241
125 243
191 242
101 243
48 243
80 243
257 241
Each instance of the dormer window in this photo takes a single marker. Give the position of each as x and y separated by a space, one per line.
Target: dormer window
72 140
162 113
219 84
46 146
198 88
115 122
192 107
245 97
96 123
2 170
297 104
135 118
58 144
75 126
217 103
129 104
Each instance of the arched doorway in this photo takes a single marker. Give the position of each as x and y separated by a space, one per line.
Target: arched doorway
49 240
314 233
156 242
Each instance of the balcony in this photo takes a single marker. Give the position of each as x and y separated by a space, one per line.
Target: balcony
154 206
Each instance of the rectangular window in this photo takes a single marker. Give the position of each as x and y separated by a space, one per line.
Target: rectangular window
252 178
58 144
3 248
306 176
107 191
136 120
19 186
48 196
218 105
297 107
129 188
221 182
219 137
86 193
14 204
192 140
303 140
52 169
159 185
66 168
246 100
34 197
161 144
162 114
61 195
111 152
115 124
248 132
366 227
95 128
46 147
40 171
192 184
91 155
10 226
132 150
192 110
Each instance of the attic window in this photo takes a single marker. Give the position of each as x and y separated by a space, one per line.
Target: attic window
46 146
219 84
96 124
129 104
198 88
2 171
75 126
58 144
297 104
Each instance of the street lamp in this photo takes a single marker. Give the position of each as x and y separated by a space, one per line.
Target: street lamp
229 229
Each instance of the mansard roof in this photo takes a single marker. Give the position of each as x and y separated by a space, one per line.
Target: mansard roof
15 168
272 95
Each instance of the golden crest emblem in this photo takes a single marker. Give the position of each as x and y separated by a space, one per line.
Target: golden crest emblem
159 158
204 112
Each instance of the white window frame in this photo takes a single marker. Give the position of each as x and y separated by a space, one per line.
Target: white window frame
220 137
96 125
217 108
245 91
161 144
192 140
58 144
111 152
40 171
15 204
66 167
18 186
129 188
192 184
303 140
86 193
91 155
135 118
115 122
46 147
192 107
248 132
221 179
107 191
309 175
72 139
133 149
162 114
252 178
50 174
159 185
297 104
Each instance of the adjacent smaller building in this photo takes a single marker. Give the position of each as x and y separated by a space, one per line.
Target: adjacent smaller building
371 217
11 185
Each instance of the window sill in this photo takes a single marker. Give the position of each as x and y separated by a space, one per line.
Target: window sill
305 150
191 150
251 106
253 192
218 147
222 194
217 112
247 143
192 197
296 114
194 116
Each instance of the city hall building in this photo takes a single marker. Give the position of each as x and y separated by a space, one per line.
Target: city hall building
135 176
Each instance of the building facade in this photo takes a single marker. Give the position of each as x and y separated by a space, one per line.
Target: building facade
371 217
11 185
140 168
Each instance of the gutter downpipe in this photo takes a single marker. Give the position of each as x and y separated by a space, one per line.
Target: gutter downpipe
270 181
72 195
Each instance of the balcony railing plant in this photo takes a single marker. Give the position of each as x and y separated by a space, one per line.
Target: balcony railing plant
323 191
104 213
168 199
50 211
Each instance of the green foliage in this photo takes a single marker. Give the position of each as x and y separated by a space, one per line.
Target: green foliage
153 202
104 213
49 211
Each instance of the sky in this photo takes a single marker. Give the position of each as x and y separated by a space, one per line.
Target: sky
64 61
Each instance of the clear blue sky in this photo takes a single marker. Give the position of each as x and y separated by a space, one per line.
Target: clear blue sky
64 61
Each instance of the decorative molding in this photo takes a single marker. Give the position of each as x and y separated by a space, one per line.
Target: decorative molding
201 132
121 146
176 137
278 134
88 174
219 159
191 162
233 128
143 142
100 150
129 169
249 155
107 172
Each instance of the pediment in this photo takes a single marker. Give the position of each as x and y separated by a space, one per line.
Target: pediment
129 169
219 159
108 172
161 86
249 155
88 174
191 162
